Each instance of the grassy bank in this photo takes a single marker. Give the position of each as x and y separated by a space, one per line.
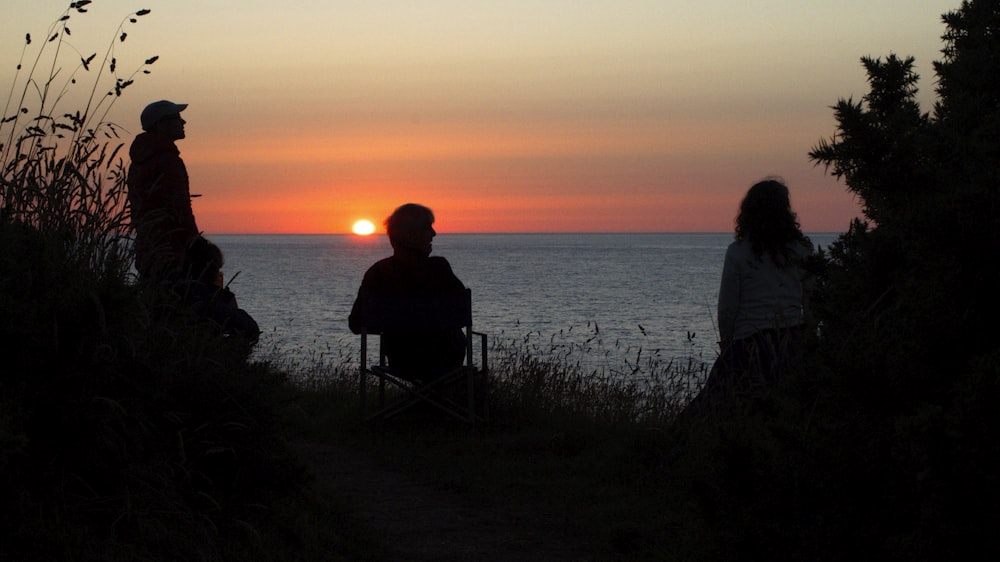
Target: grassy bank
800 471
584 450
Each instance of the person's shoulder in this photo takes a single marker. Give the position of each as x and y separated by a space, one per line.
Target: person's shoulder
802 247
739 247
147 145
382 263
140 148
378 271
441 264
195 290
446 274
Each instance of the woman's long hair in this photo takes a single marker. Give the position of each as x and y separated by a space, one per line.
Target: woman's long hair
767 221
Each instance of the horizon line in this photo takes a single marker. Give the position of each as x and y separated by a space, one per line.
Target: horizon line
585 232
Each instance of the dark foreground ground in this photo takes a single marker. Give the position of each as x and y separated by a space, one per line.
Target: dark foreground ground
416 520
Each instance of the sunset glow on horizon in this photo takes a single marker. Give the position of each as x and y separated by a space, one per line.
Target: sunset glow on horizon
627 116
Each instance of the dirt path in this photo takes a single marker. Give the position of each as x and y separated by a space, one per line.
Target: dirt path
417 522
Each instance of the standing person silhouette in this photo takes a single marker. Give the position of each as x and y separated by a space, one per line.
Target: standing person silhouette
159 194
411 272
763 294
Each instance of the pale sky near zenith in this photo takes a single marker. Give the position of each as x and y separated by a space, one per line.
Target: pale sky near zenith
515 116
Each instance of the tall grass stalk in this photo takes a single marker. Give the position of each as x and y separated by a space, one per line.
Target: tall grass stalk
62 170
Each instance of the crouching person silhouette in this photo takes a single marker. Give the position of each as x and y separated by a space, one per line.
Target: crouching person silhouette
202 289
412 273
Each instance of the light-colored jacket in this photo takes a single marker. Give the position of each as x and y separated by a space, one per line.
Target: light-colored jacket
759 294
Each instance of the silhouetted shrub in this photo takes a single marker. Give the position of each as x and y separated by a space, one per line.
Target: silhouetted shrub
883 445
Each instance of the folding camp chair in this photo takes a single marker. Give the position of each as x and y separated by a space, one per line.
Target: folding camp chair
380 314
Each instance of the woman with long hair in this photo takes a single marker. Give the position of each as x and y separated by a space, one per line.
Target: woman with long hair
763 295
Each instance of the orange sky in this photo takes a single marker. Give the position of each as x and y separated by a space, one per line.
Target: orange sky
520 116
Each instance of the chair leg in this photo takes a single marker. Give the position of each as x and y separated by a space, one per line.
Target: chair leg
484 398
363 391
455 406
381 392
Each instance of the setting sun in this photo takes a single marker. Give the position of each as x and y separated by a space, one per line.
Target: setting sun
363 227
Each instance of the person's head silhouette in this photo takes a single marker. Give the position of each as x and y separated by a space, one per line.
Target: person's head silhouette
164 118
410 229
766 218
203 261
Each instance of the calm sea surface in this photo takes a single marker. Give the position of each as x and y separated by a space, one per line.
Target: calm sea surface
654 291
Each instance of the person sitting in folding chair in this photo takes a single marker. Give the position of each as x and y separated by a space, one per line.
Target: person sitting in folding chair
411 272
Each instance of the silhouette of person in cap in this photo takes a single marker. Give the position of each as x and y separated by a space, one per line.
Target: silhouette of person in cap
159 193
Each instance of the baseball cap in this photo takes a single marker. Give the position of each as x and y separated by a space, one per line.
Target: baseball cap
158 110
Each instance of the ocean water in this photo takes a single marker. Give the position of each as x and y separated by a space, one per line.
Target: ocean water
627 291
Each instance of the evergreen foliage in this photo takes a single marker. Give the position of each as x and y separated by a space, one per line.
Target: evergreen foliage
909 291
884 446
